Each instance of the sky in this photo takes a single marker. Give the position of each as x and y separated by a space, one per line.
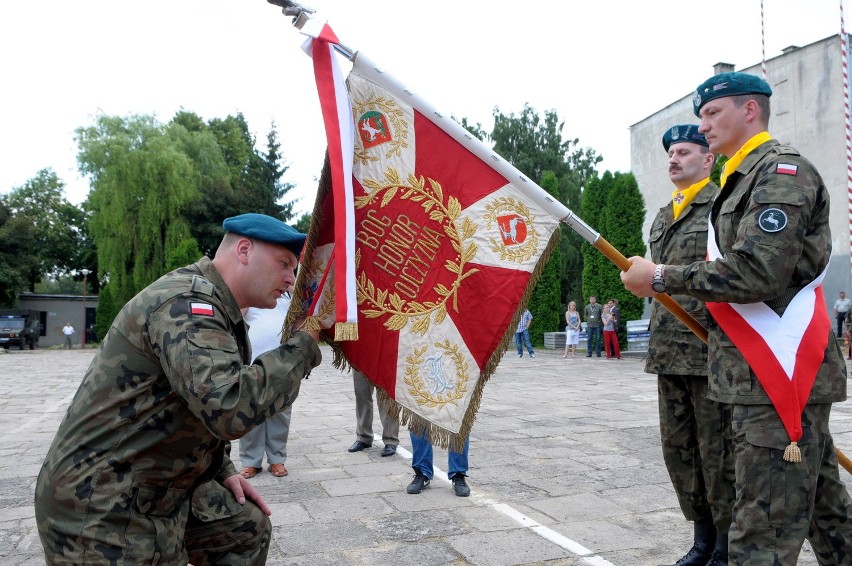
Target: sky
601 66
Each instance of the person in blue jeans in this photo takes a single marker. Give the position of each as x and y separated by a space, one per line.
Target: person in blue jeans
421 461
522 334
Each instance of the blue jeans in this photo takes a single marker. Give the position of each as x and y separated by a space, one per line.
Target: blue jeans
421 459
525 336
595 334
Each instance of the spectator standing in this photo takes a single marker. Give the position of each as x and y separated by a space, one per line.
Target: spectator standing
522 334
572 329
269 437
613 349
421 462
841 312
594 326
364 390
68 331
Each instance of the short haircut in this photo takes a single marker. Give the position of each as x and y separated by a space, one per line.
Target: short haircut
762 103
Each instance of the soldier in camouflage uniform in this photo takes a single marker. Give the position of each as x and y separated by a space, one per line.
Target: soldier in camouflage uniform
139 472
778 503
695 431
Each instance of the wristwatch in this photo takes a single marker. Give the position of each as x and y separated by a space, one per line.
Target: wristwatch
658 284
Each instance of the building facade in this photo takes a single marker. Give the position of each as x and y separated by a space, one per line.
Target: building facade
807 112
56 310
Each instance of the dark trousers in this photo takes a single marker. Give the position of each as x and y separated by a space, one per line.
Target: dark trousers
841 318
594 335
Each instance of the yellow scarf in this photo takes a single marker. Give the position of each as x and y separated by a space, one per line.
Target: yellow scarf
735 160
682 198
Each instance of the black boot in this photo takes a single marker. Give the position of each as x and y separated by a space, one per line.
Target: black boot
720 552
704 540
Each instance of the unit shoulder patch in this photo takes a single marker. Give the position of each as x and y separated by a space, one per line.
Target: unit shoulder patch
772 220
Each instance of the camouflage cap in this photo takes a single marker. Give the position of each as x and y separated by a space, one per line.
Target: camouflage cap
267 229
728 84
683 133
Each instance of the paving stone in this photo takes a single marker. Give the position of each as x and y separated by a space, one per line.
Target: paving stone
564 454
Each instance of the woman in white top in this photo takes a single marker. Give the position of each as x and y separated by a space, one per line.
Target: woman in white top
572 329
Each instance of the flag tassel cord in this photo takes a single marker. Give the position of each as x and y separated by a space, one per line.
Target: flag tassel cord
302 14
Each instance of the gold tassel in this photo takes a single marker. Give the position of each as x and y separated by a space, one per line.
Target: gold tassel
345 331
792 453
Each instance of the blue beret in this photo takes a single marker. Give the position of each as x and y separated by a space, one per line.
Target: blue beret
683 133
728 84
267 229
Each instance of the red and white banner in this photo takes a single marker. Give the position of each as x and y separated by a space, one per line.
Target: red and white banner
337 115
446 251
784 352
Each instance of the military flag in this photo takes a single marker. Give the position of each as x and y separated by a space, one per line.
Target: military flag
448 245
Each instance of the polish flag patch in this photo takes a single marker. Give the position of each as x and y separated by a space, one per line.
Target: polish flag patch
787 169
203 309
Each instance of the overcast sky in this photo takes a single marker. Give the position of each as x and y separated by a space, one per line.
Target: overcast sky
601 66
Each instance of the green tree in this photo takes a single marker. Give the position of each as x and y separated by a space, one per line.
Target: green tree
58 224
546 300
304 223
613 206
215 199
718 167
142 182
571 246
272 172
17 257
235 177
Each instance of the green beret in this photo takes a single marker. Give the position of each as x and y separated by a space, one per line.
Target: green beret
728 84
683 133
267 229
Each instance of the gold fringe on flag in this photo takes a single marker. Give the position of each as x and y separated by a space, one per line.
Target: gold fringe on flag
345 331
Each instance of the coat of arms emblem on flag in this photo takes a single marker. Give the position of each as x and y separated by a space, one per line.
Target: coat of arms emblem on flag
446 250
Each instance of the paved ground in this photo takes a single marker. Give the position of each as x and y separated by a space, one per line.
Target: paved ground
566 469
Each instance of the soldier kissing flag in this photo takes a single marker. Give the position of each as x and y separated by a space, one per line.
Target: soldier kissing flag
447 248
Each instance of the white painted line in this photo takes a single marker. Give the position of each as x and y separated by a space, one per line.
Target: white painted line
545 532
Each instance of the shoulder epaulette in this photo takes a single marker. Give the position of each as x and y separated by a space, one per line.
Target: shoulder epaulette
202 285
785 150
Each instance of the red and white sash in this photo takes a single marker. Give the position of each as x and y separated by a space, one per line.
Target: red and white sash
784 352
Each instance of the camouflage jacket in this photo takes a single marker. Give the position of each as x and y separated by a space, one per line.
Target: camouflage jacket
170 385
764 265
673 348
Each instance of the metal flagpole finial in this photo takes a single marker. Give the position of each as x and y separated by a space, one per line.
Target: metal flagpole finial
291 8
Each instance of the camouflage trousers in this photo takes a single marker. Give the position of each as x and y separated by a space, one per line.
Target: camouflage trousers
779 503
696 440
217 530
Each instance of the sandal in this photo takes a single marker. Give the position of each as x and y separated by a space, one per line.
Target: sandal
249 472
278 470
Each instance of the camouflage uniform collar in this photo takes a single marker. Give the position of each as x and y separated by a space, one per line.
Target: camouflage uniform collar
757 154
229 303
